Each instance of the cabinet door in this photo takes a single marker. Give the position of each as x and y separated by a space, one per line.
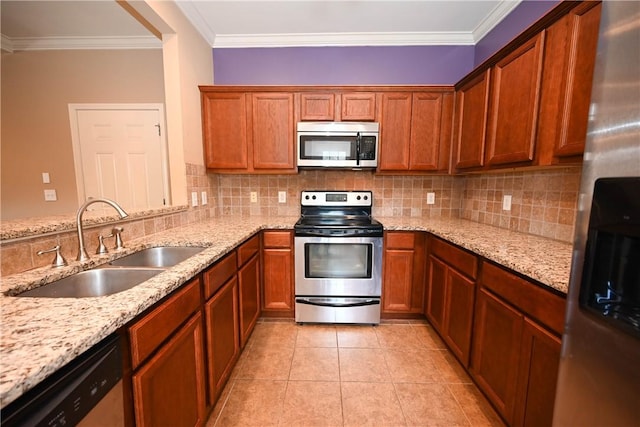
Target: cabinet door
358 106
317 106
436 293
583 31
539 362
395 131
496 351
398 280
224 122
278 279
249 284
170 388
458 323
430 131
472 102
273 130
223 336
515 96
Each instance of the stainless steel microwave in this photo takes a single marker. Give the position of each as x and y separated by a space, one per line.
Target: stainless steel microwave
351 145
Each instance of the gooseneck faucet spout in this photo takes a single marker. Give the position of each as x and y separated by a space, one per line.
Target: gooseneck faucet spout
82 252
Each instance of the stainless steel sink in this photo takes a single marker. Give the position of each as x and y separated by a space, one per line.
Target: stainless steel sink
161 257
93 283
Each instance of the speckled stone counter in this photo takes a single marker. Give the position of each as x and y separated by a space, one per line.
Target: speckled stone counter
39 335
545 260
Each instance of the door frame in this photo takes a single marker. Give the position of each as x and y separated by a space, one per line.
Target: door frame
75 141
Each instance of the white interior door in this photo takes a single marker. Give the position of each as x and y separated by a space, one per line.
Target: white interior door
121 154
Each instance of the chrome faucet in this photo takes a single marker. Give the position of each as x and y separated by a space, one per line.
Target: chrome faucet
82 252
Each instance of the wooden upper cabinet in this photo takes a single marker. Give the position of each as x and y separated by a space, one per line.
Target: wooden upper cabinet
317 106
570 53
514 100
395 131
415 131
224 119
431 121
358 106
472 102
273 129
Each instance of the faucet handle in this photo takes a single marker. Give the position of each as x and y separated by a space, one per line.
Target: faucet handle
117 231
102 249
59 260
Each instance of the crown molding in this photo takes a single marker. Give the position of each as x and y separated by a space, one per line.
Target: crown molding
501 11
74 43
6 44
343 39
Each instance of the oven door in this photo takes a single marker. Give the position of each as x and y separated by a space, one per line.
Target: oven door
338 266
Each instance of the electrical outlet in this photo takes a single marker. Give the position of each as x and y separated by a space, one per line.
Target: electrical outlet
282 197
50 195
254 197
194 198
431 198
506 202
203 197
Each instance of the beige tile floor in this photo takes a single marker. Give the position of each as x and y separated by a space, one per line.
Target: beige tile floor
393 374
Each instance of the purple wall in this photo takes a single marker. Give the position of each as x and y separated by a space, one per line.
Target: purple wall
370 65
381 65
525 14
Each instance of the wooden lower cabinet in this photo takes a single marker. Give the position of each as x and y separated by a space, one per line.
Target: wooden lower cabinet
249 306
222 333
450 295
277 273
539 360
516 346
496 351
403 273
169 389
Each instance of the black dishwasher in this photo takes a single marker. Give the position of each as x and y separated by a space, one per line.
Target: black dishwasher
87 389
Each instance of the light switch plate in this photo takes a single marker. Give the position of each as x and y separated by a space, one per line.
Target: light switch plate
431 198
506 202
203 197
45 178
194 198
50 195
282 197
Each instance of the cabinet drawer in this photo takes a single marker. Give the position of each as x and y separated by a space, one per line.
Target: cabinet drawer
400 240
248 249
461 260
218 274
147 334
276 239
536 302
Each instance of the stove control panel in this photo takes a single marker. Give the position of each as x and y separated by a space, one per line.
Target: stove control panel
336 198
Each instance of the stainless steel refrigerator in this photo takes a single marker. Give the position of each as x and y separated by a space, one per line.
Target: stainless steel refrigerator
599 374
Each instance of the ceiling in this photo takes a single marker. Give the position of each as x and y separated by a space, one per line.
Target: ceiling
260 23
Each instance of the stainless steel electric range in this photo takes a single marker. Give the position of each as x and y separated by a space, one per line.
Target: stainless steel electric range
338 258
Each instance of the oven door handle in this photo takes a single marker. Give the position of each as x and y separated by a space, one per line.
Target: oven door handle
319 302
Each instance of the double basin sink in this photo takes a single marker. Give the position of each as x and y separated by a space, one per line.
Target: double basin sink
116 276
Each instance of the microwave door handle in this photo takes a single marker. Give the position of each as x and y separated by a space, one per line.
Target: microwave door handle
358 139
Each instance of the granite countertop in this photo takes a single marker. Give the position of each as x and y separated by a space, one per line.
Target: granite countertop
40 335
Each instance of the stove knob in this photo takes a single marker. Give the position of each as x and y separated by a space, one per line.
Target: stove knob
358 198
366 197
306 197
313 197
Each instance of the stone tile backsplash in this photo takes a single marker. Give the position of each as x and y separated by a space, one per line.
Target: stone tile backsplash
543 201
393 195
